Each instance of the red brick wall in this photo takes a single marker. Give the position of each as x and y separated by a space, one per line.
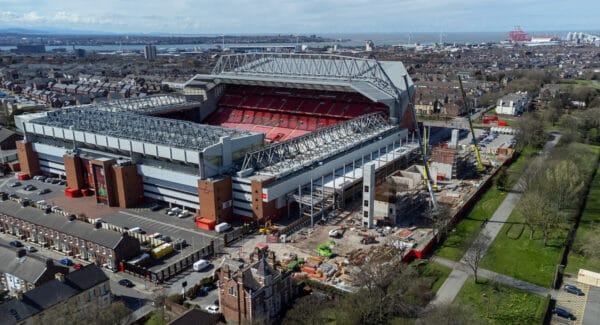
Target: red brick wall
28 159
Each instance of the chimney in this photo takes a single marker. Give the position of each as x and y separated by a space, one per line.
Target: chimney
271 259
60 277
21 252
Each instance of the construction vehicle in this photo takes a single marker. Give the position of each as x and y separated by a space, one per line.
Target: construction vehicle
324 250
480 167
268 228
337 232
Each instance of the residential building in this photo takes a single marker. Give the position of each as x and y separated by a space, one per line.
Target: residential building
513 104
150 52
80 295
23 272
71 237
257 291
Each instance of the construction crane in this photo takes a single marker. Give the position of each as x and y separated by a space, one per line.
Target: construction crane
480 167
426 135
411 106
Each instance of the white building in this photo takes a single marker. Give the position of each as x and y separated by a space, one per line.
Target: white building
513 104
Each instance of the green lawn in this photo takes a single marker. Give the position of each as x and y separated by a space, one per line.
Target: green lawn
437 273
589 217
157 318
500 304
468 228
581 83
512 253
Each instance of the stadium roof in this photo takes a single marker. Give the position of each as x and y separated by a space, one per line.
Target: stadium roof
379 81
126 125
289 156
158 104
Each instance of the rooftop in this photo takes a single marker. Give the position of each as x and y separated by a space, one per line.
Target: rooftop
377 80
50 294
28 267
160 131
80 229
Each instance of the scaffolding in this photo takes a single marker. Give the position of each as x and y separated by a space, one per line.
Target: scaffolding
292 155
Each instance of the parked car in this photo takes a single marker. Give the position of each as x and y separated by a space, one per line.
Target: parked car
183 214
573 289
212 308
39 178
30 188
30 249
200 265
174 211
155 207
15 184
126 283
44 191
561 312
66 262
15 243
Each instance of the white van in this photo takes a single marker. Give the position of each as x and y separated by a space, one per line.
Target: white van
200 265
222 227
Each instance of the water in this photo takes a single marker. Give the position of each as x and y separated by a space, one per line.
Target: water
354 40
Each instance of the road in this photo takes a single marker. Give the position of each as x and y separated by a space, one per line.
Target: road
459 274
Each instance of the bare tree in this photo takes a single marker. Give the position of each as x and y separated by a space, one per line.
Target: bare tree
475 253
533 207
439 219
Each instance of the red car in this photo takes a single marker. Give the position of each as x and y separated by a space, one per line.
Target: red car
77 266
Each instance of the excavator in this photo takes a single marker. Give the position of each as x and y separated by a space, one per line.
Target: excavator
268 228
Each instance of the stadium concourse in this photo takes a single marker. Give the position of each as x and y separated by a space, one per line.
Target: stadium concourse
260 137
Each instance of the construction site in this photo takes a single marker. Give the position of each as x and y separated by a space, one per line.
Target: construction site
334 248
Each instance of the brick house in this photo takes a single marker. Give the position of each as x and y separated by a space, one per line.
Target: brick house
255 292
71 237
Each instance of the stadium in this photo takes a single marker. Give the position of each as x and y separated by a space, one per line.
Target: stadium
261 137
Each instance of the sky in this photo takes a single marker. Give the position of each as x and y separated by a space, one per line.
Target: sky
300 16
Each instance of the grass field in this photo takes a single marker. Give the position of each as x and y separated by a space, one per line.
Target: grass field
582 83
468 228
495 303
513 253
437 273
590 218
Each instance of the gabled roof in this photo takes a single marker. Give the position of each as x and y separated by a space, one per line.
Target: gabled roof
87 277
27 268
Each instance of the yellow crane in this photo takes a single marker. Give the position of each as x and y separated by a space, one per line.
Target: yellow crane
480 167
427 134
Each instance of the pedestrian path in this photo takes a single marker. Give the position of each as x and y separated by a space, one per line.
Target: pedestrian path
460 272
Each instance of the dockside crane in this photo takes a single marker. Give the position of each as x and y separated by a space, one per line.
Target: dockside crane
480 167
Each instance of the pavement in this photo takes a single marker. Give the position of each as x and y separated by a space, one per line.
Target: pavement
573 303
451 287
592 305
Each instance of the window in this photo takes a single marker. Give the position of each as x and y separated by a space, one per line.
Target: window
233 291
366 203
366 214
366 189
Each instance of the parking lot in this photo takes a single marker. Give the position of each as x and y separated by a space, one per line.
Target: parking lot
55 189
573 303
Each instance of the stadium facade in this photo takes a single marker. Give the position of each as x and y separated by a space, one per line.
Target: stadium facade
260 137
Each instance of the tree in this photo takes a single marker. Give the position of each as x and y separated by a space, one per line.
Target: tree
565 181
531 205
475 253
531 132
439 219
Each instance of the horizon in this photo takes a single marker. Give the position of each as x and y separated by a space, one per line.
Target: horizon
244 17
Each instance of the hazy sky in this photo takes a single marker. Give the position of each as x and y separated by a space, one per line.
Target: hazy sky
300 16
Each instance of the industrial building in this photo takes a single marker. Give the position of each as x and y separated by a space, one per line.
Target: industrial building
260 137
